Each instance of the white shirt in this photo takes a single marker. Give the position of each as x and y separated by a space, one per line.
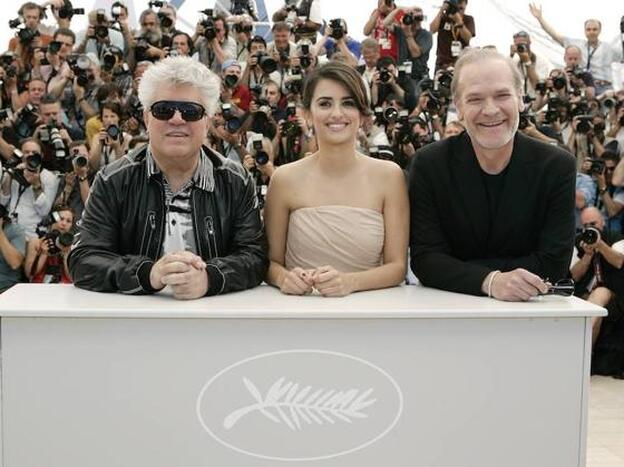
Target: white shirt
601 57
31 211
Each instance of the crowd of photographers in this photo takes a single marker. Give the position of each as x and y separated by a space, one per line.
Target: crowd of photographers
69 106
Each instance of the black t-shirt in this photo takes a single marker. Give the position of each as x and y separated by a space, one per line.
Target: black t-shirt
493 185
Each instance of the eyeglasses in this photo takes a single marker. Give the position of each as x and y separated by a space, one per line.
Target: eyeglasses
563 287
165 110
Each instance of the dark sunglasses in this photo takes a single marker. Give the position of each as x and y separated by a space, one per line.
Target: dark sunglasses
563 287
190 111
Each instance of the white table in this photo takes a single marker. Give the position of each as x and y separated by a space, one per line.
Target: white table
403 377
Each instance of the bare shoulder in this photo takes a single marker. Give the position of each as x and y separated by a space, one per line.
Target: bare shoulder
291 172
381 168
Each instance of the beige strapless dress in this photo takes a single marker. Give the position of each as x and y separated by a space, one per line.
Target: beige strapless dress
346 238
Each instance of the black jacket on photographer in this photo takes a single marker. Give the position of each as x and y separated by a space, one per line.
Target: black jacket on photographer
122 230
612 277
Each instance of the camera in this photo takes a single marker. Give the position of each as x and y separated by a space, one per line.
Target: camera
210 32
230 81
559 82
240 27
451 7
522 48
27 117
259 154
156 3
294 81
526 118
80 160
33 162
58 240
588 235
26 36
113 132
109 59
584 124
433 103
51 136
609 102
597 166
241 7
79 64
381 152
267 64
15 23
445 79
5 113
404 135
232 122
68 10
390 114
337 27
384 74
165 21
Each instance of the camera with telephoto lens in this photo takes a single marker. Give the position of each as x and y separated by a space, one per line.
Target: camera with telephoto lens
337 28
80 160
50 136
559 82
232 122
58 240
32 163
584 123
451 7
588 235
68 10
267 64
390 115
109 59
230 81
258 153
210 31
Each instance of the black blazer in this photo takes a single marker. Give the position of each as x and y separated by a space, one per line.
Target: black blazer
533 227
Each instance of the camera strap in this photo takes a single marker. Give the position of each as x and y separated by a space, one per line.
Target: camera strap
21 191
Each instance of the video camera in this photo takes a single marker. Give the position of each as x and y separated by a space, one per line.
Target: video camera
210 31
338 28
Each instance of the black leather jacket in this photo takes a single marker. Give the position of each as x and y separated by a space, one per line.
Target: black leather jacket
121 233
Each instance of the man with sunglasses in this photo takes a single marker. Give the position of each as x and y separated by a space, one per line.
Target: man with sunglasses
173 214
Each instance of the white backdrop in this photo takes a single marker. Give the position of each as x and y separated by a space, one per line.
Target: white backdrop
496 20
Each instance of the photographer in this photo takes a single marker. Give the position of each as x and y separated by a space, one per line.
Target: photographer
110 143
226 134
597 55
302 16
214 43
55 136
294 137
243 28
455 29
148 45
58 50
261 67
598 270
532 67
74 187
46 255
182 44
578 77
258 159
336 39
232 90
414 41
282 48
386 82
12 251
609 199
29 190
374 28
29 18
99 36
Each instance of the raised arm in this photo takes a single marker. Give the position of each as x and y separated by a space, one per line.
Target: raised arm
536 11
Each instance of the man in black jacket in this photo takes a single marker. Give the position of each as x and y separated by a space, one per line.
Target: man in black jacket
174 213
492 211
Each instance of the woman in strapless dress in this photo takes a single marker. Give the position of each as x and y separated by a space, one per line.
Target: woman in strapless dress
337 221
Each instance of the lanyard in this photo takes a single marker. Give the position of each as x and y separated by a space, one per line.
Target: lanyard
590 55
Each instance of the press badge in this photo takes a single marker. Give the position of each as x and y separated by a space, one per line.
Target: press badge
385 43
456 48
447 26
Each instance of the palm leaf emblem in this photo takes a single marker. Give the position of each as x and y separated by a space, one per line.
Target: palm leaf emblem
291 404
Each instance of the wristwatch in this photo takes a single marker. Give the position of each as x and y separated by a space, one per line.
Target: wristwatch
602 191
82 179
